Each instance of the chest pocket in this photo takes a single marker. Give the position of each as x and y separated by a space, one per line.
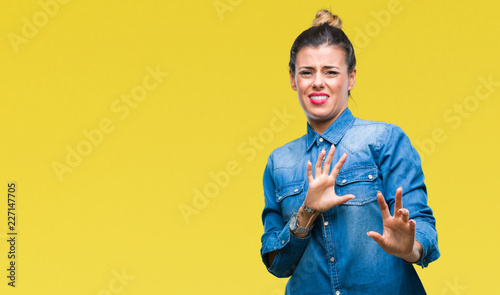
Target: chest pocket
290 197
363 183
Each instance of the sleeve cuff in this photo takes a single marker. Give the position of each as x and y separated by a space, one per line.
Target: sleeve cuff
430 252
289 251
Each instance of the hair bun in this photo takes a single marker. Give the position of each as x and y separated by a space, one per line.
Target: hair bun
325 16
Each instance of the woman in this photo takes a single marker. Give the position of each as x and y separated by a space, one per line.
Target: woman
365 241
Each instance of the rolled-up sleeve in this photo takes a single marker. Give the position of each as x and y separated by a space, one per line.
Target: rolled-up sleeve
277 236
400 165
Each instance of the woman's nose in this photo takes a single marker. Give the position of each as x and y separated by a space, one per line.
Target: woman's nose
318 82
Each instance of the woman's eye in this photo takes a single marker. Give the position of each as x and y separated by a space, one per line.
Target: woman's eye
332 73
305 73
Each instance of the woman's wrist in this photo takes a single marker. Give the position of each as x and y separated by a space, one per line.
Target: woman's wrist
309 205
307 209
415 255
305 219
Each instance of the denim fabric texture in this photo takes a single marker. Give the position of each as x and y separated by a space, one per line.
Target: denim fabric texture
338 257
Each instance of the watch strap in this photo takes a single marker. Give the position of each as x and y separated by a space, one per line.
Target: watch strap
299 229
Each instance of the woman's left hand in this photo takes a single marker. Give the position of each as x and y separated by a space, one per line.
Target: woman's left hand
398 238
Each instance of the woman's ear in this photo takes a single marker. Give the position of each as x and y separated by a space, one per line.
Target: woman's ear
352 80
292 80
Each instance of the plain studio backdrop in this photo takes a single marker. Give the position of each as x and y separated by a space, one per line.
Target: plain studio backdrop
137 132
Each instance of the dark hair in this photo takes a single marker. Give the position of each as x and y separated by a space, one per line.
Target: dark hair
326 30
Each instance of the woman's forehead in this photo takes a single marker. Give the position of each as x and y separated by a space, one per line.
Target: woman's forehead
323 56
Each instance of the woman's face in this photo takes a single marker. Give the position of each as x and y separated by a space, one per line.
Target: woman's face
322 84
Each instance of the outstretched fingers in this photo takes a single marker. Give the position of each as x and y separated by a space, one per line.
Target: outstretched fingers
405 215
376 237
412 225
384 209
399 211
319 162
398 202
336 168
309 171
328 161
345 198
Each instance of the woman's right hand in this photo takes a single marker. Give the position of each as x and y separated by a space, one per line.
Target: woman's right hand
321 194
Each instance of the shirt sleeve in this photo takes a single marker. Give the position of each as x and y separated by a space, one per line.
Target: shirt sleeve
400 165
277 236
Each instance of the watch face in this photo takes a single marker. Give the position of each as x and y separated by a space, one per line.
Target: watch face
293 222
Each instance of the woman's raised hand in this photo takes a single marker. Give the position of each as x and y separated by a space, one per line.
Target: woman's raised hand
398 238
321 194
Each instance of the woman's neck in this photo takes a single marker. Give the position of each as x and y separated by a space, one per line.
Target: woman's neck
321 126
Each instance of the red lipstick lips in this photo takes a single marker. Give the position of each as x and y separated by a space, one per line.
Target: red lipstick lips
318 97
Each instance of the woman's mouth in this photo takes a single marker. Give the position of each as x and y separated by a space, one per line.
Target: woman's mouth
318 98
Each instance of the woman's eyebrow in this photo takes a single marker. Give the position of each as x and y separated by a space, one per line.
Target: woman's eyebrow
324 67
331 67
306 67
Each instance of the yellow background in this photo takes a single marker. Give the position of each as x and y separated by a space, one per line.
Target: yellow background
119 209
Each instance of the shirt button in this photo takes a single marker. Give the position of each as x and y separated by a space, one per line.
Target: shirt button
279 198
326 223
337 293
283 242
296 190
321 139
332 260
344 180
370 176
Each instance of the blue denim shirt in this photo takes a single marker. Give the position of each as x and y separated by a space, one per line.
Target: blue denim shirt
338 257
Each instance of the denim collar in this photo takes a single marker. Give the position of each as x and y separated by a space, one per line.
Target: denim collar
334 133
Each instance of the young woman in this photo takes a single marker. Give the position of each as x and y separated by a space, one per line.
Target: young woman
342 229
